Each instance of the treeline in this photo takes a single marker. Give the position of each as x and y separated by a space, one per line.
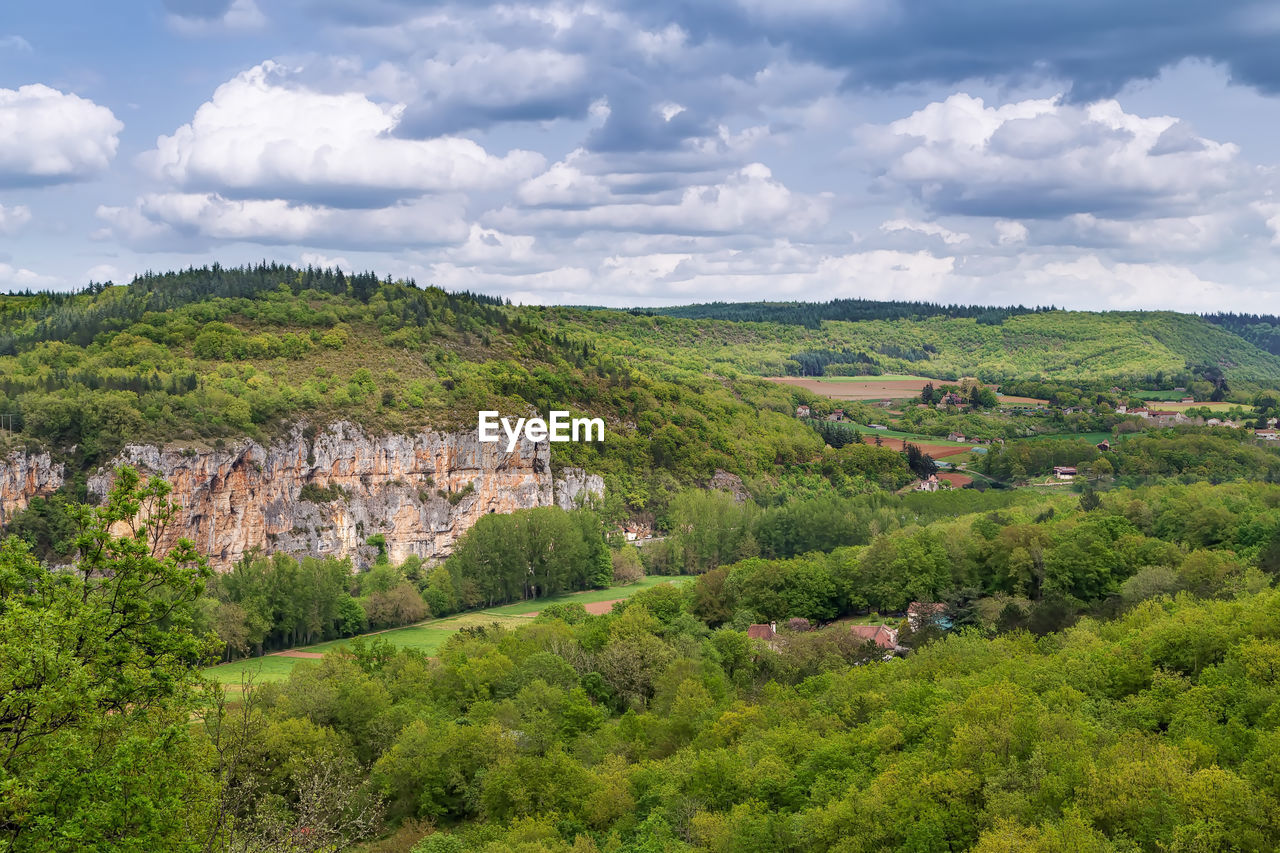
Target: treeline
819 363
531 553
1261 330
812 314
709 529
1210 454
280 602
646 729
643 730
79 318
1025 566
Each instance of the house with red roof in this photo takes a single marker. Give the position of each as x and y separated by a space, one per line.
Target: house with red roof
882 635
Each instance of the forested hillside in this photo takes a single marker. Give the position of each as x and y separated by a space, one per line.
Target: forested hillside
1147 725
1135 349
206 355
813 314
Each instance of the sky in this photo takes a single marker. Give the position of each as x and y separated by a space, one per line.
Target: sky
1080 153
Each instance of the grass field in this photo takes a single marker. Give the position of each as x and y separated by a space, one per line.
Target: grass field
886 377
1182 407
1094 437
917 438
896 387
426 636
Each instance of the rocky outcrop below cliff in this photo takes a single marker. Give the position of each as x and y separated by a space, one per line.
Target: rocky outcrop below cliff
327 492
24 476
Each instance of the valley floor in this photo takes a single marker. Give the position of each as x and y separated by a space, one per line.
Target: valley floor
427 636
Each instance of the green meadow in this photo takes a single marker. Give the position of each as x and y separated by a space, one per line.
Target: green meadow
426 636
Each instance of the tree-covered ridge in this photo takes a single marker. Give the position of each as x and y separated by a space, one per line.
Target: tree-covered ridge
1147 725
80 317
1261 330
247 352
650 729
813 314
1134 349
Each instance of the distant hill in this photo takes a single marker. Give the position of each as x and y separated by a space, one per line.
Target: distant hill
1134 349
812 314
1261 330
213 354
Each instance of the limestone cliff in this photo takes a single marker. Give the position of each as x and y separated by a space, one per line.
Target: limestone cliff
24 476
326 493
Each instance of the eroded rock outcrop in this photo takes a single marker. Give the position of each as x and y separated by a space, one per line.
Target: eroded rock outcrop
327 493
24 476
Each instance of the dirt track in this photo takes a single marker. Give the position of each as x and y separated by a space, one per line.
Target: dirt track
595 608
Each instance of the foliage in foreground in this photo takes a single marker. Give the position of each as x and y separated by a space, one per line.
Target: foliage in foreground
98 679
645 731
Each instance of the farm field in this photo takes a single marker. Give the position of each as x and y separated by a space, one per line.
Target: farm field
1013 399
1094 437
1162 396
886 387
955 478
858 387
930 445
1182 407
426 636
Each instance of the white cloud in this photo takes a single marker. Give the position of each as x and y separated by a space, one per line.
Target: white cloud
48 137
1009 232
1089 280
15 43
1043 158
492 75
261 136
14 219
750 200
1159 235
105 272
564 185
931 229
1271 213
164 218
316 259
20 278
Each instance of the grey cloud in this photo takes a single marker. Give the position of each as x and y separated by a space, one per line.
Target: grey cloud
202 10
1096 45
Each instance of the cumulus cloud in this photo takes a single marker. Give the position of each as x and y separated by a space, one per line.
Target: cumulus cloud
14 219
930 229
883 44
477 85
104 272
51 137
750 200
1044 158
167 219
20 278
1009 232
263 136
1079 281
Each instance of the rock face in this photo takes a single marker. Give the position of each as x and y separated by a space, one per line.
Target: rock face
325 494
24 476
